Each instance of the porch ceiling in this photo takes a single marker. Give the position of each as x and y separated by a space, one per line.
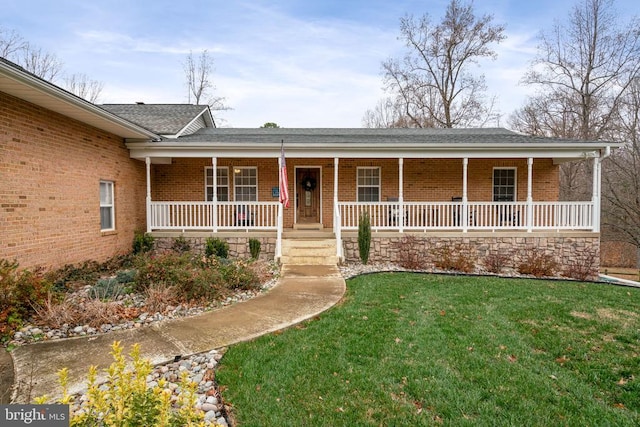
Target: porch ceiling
369 143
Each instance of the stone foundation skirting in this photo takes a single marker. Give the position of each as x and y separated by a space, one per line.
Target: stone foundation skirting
572 253
238 245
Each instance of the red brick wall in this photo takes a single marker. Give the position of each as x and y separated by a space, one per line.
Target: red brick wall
424 179
50 169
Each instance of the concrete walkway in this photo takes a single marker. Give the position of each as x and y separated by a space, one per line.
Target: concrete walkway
301 293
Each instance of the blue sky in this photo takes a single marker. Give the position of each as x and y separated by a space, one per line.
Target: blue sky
296 63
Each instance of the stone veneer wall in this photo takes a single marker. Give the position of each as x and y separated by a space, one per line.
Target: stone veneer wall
238 246
566 250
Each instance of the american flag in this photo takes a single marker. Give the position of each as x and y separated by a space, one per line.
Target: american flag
284 183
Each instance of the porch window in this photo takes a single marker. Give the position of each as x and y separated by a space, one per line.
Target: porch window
222 184
504 184
368 182
245 184
107 217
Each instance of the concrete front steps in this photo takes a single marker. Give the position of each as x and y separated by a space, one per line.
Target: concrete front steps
309 248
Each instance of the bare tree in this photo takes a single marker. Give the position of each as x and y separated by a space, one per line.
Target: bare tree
432 82
583 69
43 64
46 65
198 72
10 43
84 87
621 174
587 64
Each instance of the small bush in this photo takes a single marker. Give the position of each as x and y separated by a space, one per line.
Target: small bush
411 253
158 298
495 262
142 242
168 269
207 284
126 276
458 257
583 266
537 263
216 247
181 245
107 289
125 399
254 248
20 292
364 237
238 275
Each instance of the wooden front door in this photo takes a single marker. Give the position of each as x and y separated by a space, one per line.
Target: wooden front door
308 195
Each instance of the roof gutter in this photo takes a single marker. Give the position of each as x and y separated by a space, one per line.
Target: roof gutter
41 85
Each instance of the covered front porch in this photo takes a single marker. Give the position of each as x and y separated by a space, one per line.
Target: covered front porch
417 181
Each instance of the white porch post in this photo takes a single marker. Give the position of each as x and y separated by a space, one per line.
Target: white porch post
529 194
465 199
280 216
335 192
401 194
214 220
595 196
337 219
147 161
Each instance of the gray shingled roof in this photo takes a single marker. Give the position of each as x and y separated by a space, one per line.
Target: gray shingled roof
163 119
369 136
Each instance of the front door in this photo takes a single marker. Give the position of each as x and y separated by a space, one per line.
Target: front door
308 195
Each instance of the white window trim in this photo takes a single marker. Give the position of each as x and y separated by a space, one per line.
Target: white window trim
111 205
358 169
210 168
515 180
236 186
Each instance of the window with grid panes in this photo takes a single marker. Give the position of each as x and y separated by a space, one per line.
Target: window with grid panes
222 184
504 184
245 184
368 183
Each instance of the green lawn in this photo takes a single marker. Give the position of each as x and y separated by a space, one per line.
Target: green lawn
419 349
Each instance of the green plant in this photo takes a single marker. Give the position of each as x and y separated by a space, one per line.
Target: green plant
170 269
364 237
216 247
254 248
106 289
142 242
181 245
126 276
537 263
125 399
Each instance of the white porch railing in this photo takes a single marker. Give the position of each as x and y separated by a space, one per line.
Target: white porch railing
480 215
415 216
213 216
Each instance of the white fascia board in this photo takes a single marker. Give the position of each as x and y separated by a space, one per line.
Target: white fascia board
43 93
239 150
202 113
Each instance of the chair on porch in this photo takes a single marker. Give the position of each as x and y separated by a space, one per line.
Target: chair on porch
456 211
393 216
509 216
244 218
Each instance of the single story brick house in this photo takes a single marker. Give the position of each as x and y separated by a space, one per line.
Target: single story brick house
77 179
